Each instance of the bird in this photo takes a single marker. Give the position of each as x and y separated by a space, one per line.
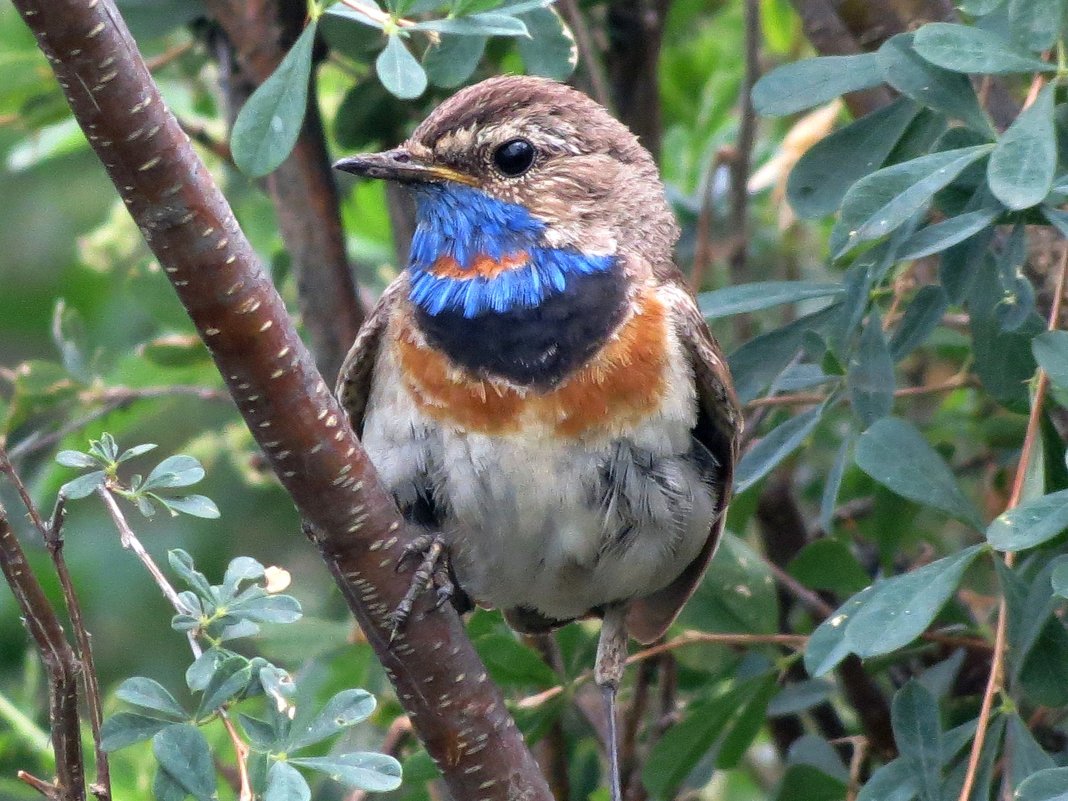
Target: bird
538 388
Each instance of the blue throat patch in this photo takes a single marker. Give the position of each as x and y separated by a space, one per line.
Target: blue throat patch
463 224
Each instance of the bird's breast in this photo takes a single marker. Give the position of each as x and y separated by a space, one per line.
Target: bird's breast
610 382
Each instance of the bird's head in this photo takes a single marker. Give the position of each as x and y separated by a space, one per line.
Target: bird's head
519 183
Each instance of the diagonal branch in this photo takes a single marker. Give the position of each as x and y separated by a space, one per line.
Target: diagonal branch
439 678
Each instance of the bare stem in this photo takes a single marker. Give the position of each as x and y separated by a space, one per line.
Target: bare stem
814 398
996 680
52 533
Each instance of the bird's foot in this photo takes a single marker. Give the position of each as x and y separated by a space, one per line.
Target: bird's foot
433 571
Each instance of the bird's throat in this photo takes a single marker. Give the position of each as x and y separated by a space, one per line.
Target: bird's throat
497 299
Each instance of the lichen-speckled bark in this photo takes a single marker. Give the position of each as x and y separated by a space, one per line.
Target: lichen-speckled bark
439 678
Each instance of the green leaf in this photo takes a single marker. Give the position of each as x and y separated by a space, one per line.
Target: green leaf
804 84
894 781
376 773
676 754
803 782
833 484
511 663
803 695
127 728
1051 353
269 609
229 678
182 751
83 486
827 564
775 446
240 569
940 236
149 694
284 783
260 733
963 48
267 127
871 373
551 50
398 70
896 455
484 24
1046 785
825 171
1034 22
344 710
369 19
1029 524
1059 580
747 722
827 644
166 788
1024 755
451 61
979 8
899 609
884 200
75 459
135 451
934 87
1021 168
918 734
761 295
182 564
922 316
737 593
174 471
756 363
195 505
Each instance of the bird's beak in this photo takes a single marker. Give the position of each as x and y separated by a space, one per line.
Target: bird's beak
401 166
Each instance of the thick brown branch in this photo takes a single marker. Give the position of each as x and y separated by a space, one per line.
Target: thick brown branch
290 410
60 663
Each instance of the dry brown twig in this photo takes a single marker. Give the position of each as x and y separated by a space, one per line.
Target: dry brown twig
996 679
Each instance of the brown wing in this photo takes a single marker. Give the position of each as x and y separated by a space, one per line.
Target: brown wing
719 423
354 379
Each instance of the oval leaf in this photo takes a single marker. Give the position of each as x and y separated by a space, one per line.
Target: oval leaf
883 201
1030 524
814 81
940 236
1046 785
918 734
761 295
376 773
127 728
269 123
149 694
899 609
451 61
896 455
871 373
284 783
773 448
398 70
963 48
1051 353
551 50
1020 171
345 709
182 751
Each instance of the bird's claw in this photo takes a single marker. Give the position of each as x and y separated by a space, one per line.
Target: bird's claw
433 571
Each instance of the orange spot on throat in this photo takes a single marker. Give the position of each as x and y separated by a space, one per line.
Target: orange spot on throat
482 267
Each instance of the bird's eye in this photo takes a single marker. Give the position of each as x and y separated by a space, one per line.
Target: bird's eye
514 157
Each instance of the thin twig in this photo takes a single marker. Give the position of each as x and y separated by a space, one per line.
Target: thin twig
997 664
168 56
52 534
796 641
112 399
130 542
704 252
814 398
